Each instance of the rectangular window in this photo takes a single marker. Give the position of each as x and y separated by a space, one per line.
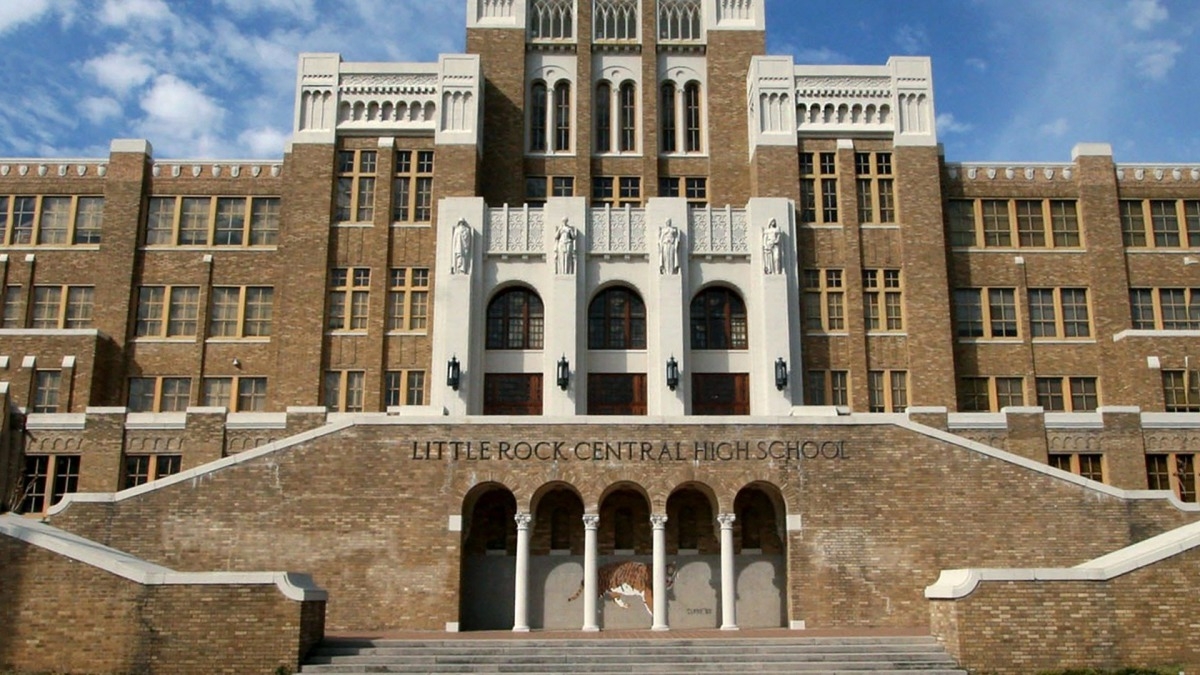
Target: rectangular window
1165 223
1165 308
876 202
141 469
160 221
883 300
408 299
827 387
159 394
1059 313
824 300
974 394
818 188
997 231
1133 223
46 385
237 394
24 211
887 390
193 221
1181 390
1087 465
995 319
230 222
344 390
55 224
1031 227
349 293
57 307
88 216
960 214
616 191
1175 472
1064 224
1010 392
412 187
46 479
1084 394
14 308
241 311
151 312
355 202
264 221
1191 211
404 387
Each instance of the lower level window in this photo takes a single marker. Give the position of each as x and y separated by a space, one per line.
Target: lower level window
46 386
238 394
344 390
46 479
616 191
404 387
616 394
141 469
1181 390
827 387
159 394
1175 472
1068 394
888 390
1090 466
720 394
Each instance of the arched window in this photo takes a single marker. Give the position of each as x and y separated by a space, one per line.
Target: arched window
678 20
691 117
537 117
604 117
667 114
628 117
552 19
615 19
718 320
617 320
516 320
562 117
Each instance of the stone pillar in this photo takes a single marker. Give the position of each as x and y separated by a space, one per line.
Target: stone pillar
521 601
590 522
728 576
658 522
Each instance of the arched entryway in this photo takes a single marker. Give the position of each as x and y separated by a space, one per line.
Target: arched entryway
488 570
556 558
624 535
760 549
694 546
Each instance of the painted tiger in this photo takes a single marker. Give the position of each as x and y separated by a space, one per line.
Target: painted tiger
628 578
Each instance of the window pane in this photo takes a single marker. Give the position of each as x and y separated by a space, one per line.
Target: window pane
79 306
224 319
55 221
231 221
89 211
193 221
264 221
185 311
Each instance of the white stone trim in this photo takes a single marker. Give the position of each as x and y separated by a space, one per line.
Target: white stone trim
959 583
299 587
255 420
49 332
1140 333
55 421
157 421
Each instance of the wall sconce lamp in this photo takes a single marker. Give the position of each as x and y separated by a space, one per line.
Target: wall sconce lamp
780 373
453 373
564 373
672 373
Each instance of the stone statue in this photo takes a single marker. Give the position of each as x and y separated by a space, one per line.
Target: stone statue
564 247
460 247
771 247
668 248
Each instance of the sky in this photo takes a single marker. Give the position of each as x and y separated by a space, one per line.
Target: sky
1014 80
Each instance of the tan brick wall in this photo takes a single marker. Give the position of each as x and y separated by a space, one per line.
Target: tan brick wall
64 616
1141 619
356 510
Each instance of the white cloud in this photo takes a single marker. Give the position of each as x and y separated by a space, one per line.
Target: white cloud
13 13
120 70
264 142
1056 129
1154 58
125 12
100 109
912 39
185 118
947 124
304 10
1146 13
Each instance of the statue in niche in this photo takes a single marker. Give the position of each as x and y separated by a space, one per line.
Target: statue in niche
564 247
460 247
772 249
668 248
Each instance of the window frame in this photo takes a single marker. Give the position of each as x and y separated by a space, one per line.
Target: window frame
28 227
346 388
502 319
887 391
883 300
1058 324
987 314
348 301
1007 223
1143 228
409 291
405 387
604 315
258 229
168 315
243 393
1071 390
246 324
356 186
69 300
823 298
412 187
163 394
1158 308
728 328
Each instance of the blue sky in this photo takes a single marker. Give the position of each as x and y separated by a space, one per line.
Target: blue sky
1015 80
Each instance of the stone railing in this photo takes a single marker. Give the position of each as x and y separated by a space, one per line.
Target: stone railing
617 231
515 231
718 231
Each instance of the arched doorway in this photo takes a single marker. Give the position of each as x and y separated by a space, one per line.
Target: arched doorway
556 558
694 546
624 536
760 556
489 549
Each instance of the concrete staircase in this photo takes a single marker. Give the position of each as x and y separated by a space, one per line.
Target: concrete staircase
732 656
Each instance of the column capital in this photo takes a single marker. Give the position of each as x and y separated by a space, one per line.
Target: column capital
523 520
726 520
658 520
591 521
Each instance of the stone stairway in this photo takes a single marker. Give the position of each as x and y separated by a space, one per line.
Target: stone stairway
732 656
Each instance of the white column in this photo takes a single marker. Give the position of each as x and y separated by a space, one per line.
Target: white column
521 602
658 522
728 578
590 522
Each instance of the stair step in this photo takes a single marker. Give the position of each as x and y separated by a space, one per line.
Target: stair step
810 656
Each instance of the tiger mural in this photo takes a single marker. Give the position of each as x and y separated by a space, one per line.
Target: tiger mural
628 578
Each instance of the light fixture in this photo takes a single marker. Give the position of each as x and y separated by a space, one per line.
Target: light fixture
452 373
236 362
564 373
780 373
672 373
